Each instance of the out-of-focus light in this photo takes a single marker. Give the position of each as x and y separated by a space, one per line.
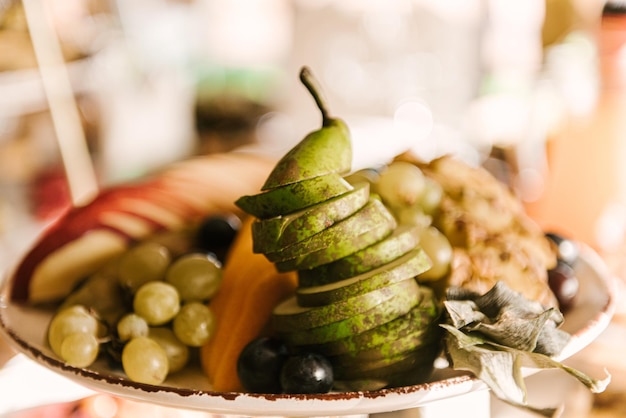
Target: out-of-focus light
101 406
346 77
572 67
530 184
413 120
378 140
358 7
512 38
457 11
499 119
445 140
275 132
385 28
526 15
610 227
621 62
548 109
313 4
249 32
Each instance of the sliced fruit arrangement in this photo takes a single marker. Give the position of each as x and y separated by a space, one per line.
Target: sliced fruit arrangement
357 269
321 279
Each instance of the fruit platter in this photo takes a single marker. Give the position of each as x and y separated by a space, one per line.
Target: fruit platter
300 287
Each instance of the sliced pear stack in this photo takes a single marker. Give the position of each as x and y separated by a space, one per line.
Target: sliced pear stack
358 301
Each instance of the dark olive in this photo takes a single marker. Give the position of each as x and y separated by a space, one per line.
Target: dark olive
567 249
564 284
216 234
307 373
260 363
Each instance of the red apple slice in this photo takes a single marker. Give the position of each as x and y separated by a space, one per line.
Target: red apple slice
86 237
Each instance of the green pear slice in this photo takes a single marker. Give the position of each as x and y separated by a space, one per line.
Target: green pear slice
273 234
386 311
393 347
421 317
289 316
294 197
324 151
406 267
384 366
408 376
402 240
374 213
345 244
411 371
361 385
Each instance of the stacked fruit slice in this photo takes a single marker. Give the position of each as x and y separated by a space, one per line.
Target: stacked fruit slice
357 301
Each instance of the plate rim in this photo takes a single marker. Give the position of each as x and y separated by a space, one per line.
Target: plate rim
272 404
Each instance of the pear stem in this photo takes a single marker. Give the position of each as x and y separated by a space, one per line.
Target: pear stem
313 86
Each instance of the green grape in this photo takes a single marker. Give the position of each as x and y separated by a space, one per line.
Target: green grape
366 175
131 325
400 184
101 293
156 302
145 361
196 276
143 263
412 215
177 352
194 324
80 349
431 196
68 321
439 250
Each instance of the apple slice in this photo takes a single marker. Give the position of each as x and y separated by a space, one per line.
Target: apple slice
83 239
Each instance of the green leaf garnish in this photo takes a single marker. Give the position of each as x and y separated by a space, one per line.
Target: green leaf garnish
495 335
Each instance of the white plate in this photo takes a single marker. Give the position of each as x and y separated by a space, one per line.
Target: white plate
25 327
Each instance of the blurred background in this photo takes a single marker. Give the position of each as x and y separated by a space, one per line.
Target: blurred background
97 92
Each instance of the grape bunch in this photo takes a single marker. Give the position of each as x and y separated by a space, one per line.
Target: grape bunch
413 199
162 313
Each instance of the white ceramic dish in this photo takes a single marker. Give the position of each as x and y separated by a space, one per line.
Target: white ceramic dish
25 327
